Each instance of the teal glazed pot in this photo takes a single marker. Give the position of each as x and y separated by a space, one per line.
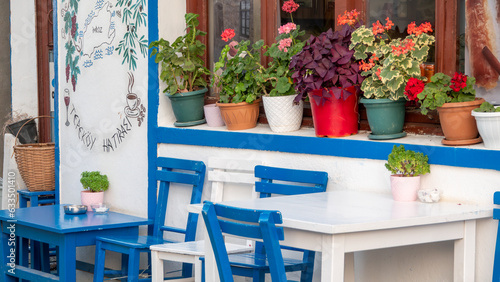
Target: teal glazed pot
188 107
385 117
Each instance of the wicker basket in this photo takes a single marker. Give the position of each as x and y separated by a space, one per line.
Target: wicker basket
36 164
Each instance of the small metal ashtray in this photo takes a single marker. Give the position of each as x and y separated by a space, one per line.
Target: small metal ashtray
75 209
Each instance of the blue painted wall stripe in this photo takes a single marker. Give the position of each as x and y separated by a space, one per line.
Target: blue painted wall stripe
339 147
56 100
153 102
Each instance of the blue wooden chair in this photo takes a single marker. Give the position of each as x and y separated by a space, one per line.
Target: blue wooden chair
280 181
221 219
496 262
170 171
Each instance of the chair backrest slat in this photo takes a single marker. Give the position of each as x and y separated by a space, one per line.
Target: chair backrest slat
259 223
191 175
290 181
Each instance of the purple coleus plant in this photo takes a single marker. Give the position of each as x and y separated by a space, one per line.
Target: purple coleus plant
326 63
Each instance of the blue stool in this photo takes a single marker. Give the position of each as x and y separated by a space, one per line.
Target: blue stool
36 198
39 250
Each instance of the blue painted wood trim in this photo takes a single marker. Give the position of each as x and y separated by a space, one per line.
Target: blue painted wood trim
153 102
56 99
339 147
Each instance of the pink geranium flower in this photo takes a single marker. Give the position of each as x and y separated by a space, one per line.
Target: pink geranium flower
287 28
290 6
284 44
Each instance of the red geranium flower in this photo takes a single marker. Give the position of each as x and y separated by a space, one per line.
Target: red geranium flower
227 34
458 82
414 87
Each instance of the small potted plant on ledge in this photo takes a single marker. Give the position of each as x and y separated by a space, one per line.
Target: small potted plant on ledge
327 72
488 124
388 64
184 71
406 167
241 83
94 184
454 98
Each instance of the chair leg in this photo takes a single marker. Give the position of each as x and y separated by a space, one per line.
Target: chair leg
124 267
259 276
100 259
133 266
307 274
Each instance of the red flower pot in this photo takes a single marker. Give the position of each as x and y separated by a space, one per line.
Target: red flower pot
335 117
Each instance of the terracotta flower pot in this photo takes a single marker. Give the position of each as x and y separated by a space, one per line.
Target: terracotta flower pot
404 189
459 126
240 116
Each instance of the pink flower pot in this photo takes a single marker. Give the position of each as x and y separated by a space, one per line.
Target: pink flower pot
213 116
91 198
404 189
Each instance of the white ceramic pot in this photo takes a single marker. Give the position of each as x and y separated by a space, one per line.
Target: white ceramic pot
91 198
488 125
404 189
213 116
282 114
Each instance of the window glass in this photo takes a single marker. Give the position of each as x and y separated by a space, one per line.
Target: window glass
243 16
313 16
402 13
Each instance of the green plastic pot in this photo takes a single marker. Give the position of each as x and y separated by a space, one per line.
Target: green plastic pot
188 107
385 117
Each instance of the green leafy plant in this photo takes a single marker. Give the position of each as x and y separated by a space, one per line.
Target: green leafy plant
242 78
281 52
407 162
487 108
445 89
94 181
182 68
389 63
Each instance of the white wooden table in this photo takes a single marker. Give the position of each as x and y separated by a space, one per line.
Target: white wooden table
340 222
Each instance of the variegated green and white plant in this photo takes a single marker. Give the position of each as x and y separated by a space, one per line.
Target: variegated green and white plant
388 63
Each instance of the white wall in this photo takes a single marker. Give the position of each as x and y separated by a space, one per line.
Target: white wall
23 57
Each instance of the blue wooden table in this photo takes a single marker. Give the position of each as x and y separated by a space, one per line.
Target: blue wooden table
49 224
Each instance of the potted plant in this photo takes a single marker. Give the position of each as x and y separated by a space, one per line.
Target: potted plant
388 64
241 83
184 71
454 98
327 72
94 184
488 124
406 167
283 114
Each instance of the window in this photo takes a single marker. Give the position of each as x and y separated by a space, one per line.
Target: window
319 15
245 18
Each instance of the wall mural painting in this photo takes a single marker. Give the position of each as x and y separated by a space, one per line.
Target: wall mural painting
87 45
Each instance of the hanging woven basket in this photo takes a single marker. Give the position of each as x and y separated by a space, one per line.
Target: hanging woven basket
36 163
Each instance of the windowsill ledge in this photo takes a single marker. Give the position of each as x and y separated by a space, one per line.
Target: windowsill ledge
304 141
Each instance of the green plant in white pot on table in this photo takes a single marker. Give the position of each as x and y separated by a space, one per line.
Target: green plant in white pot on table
94 184
406 167
184 72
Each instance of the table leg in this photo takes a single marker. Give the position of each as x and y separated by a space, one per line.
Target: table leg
465 254
67 259
5 252
156 267
211 272
332 258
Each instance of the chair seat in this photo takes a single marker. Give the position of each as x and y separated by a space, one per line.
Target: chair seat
197 248
259 261
136 242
